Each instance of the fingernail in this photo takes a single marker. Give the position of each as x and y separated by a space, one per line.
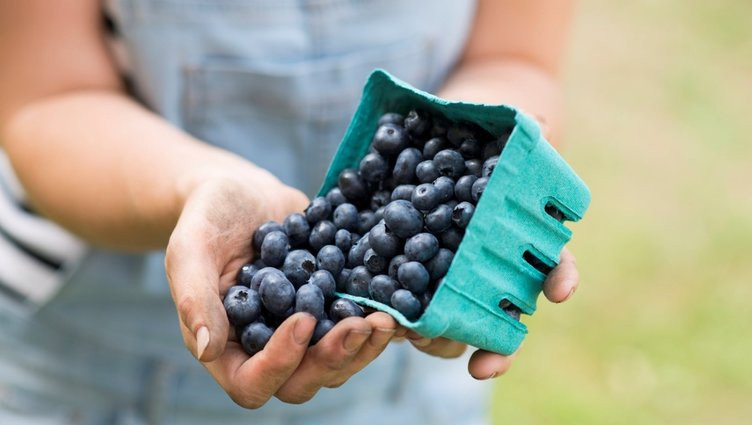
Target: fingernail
381 336
202 341
303 328
420 341
493 375
355 339
569 295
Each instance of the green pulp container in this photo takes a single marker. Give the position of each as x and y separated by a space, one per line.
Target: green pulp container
512 237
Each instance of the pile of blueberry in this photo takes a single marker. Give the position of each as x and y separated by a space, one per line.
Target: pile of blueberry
387 232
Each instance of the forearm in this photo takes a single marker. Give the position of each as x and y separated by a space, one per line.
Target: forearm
510 81
106 168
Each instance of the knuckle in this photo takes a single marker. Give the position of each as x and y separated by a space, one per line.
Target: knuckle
296 397
186 306
334 362
246 399
337 382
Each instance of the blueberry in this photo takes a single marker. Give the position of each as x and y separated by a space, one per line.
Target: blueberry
322 328
413 276
378 215
259 276
358 251
380 199
501 141
262 231
426 171
512 311
489 150
331 259
335 197
353 186
343 240
298 266
462 214
403 219
373 167
433 146
405 165
319 209
439 127
403 191
297 229
438 266
418 122
381 288
325 281
277 294
322 234
242 305
439 219
406 303
374 262
245 274
473 167
274 248
310 299
425 299
449 163
342 279
489 166
445 186
343 308
555 212
358 282
463 189
391 118
478 187
421 247
457 134
346 217
390 140
366 220
426 197
384 242
452 238
395 263
254 337
470 148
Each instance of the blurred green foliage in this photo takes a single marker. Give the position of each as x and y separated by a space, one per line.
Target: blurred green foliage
658 99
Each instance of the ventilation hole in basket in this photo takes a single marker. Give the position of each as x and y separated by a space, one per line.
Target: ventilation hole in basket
510 309
555 212
536 263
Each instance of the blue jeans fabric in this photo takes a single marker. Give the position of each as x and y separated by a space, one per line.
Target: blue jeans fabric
275 81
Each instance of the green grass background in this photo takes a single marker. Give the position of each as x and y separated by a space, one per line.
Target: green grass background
659 124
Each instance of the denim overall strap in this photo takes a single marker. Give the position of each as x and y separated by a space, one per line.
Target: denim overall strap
275 81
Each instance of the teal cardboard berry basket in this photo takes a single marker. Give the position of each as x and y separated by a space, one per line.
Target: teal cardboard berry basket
515 235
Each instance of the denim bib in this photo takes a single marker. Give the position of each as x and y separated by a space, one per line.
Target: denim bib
275 81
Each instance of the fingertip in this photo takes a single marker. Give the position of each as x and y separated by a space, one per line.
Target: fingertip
381 320
303 326
563 280
202 341
486 365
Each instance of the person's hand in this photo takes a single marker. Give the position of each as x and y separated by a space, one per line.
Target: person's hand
558 287
210 242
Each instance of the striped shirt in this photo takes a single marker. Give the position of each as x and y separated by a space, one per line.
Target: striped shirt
36 255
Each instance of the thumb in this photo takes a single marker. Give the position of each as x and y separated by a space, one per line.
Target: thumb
194 284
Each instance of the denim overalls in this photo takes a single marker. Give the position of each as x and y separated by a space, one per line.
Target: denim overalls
275 81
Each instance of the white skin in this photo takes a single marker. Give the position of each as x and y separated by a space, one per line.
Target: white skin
100 164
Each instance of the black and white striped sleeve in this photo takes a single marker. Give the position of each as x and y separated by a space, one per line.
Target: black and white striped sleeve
36 255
